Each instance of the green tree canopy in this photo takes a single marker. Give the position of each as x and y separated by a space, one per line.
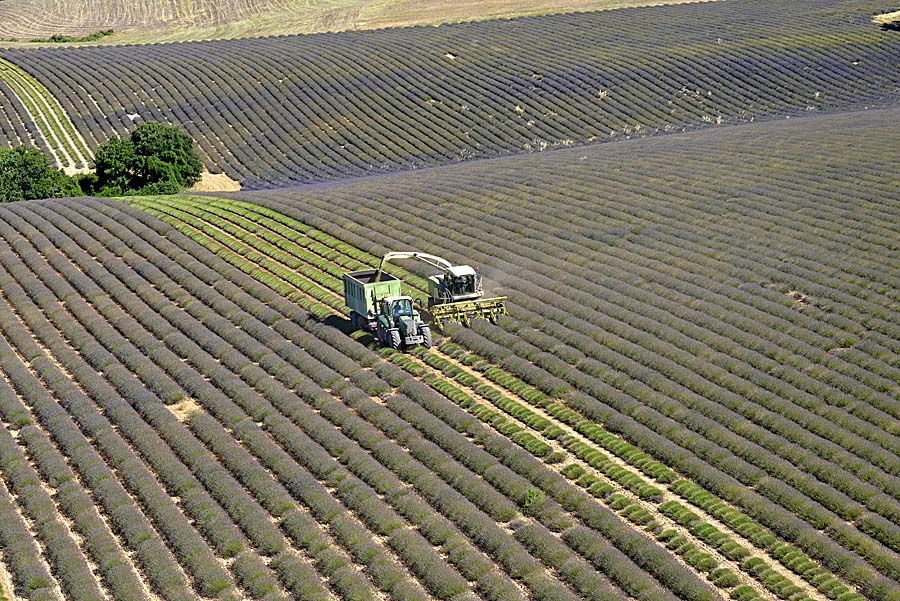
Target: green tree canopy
26 173
155 159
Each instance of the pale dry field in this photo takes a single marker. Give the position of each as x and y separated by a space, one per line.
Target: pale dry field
136 21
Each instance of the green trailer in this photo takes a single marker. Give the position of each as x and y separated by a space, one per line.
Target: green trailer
378 305
362 293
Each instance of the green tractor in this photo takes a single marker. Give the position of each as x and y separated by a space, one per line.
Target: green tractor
398 323
377 305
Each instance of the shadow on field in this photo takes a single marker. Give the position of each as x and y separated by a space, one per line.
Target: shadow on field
338 322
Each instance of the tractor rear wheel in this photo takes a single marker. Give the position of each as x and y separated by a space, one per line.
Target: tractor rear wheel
426 336
395 339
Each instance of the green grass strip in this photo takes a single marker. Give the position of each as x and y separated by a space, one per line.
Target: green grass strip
42 104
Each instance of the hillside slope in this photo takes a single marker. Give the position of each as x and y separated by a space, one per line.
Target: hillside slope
695 395
170 20
302 109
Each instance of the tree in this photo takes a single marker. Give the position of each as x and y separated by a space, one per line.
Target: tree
26 173
155 159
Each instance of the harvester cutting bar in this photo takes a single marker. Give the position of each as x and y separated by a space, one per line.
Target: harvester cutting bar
465 311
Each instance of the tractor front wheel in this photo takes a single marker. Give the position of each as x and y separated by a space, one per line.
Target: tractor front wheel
426 336
395 340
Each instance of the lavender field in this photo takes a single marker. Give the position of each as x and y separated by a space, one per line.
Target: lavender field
287 110
694 214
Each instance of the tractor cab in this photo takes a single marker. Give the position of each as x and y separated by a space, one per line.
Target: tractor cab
398 306
457 283
399 324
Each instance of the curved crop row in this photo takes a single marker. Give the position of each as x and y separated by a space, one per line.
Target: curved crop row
15 124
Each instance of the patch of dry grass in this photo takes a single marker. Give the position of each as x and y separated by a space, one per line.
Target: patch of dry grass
185 408
885 18
178 20
215 182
